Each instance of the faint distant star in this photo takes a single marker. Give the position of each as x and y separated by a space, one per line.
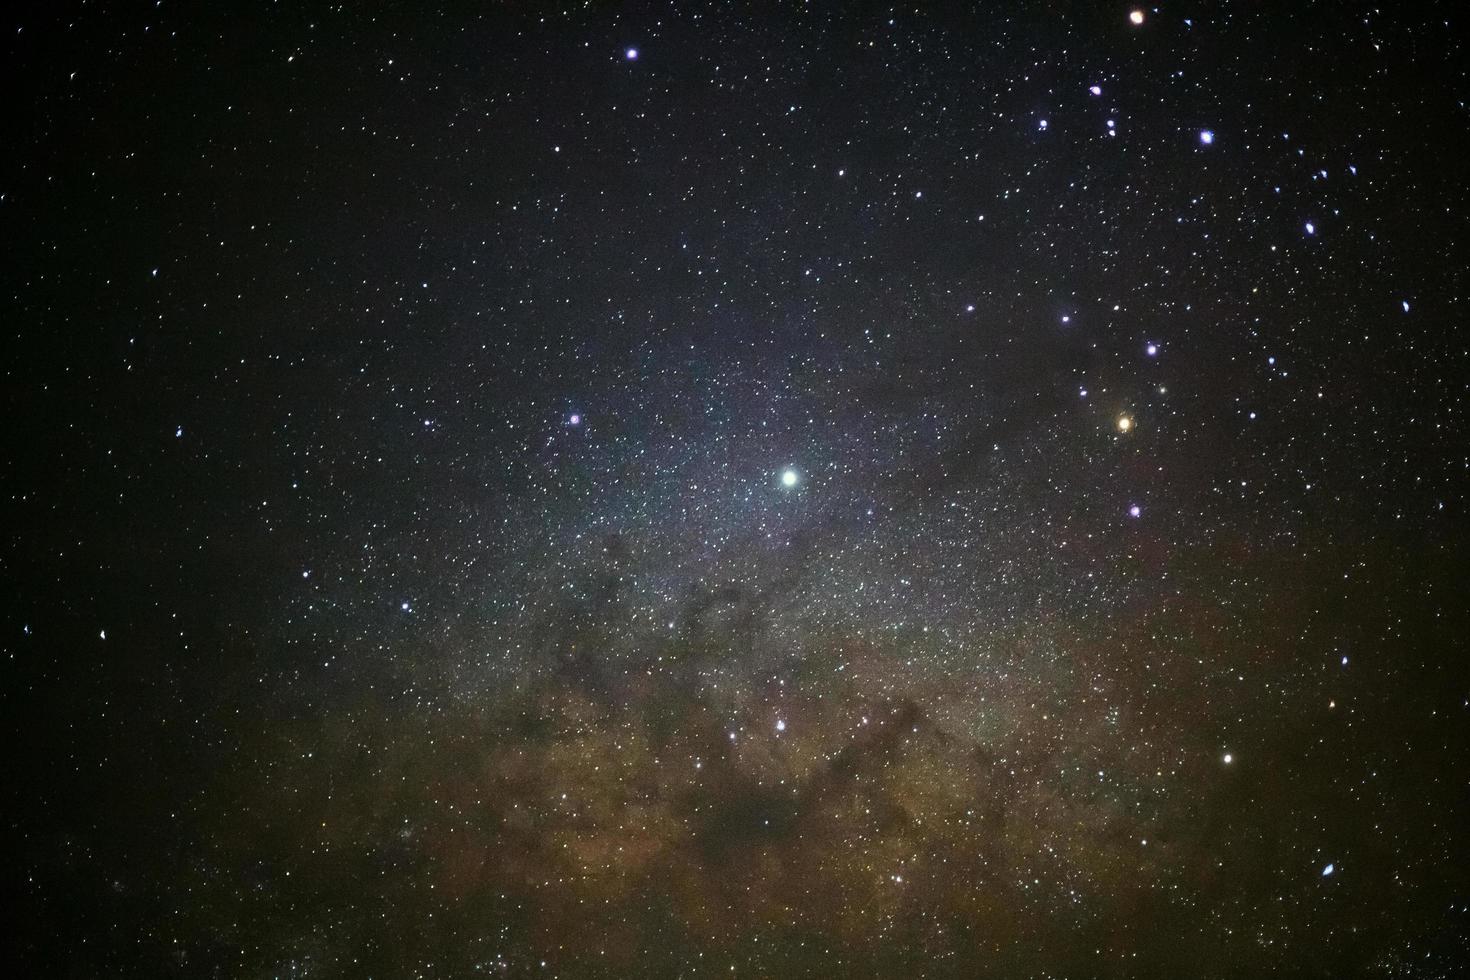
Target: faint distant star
789 478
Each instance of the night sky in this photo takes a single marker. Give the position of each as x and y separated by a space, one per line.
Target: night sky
820 489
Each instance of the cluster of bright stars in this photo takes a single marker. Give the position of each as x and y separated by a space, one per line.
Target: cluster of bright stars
790 478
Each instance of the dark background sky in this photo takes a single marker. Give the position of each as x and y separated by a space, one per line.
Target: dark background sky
401 571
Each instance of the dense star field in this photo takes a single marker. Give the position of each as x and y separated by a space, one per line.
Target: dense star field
815 490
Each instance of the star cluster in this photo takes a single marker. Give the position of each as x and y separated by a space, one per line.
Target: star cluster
689 492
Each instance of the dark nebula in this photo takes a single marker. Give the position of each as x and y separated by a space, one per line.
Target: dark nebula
809 490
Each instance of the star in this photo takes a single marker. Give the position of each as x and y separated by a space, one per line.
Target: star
1135 17
1125 424
790 478
631 54
1328 870
574 419
1206 137
1228 758
1135 511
